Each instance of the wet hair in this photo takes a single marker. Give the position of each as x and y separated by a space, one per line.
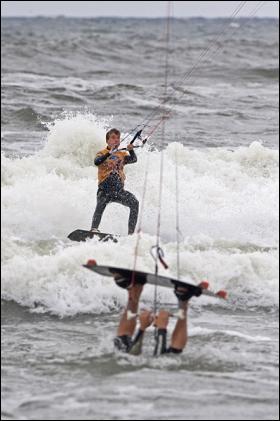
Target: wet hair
112 131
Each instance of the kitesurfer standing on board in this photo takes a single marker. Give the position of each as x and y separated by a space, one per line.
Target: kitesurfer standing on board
110 162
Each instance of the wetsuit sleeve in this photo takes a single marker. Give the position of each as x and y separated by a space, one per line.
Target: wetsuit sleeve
131 158
136 345
160 347
100 158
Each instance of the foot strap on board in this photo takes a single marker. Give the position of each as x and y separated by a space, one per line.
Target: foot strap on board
185 293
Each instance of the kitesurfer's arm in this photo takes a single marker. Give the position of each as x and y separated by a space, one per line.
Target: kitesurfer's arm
100 158
146 319
131 158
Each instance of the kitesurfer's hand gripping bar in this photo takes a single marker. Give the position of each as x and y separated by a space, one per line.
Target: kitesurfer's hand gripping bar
136 136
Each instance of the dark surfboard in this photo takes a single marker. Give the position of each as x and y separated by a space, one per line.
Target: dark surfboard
83 235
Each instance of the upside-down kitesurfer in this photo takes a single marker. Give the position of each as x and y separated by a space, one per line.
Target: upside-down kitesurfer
125 341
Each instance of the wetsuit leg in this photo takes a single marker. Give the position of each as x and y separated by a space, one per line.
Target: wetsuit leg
128 199
102 201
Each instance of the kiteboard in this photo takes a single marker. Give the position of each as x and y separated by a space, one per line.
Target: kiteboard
120 274
83 235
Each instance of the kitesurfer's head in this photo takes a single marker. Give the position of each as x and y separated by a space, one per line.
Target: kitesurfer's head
113 138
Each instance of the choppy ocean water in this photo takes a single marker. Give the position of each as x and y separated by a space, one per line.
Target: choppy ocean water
64 81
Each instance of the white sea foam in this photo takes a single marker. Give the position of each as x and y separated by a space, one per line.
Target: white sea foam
228 218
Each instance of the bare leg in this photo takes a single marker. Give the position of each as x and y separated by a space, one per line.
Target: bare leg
180 335
127 327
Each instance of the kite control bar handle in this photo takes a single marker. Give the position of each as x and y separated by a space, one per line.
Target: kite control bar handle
137 135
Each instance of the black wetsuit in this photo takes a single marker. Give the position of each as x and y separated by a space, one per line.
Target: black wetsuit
112 190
